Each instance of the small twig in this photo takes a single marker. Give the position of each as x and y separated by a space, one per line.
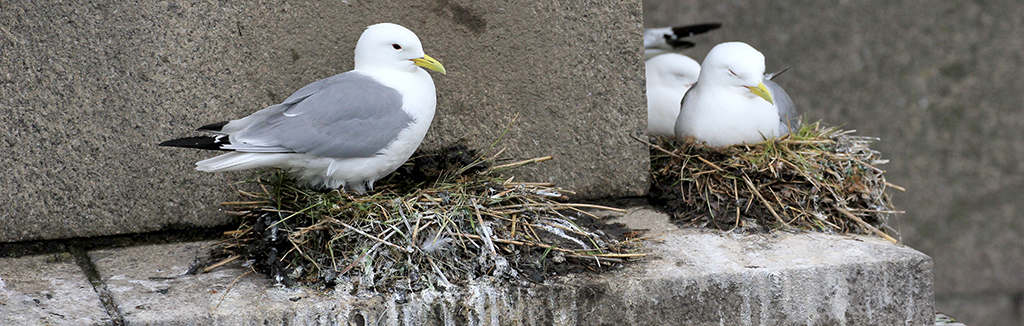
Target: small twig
618 210
360 258
693 175
865 224
805 142
618 255
779 201
519 243
736 194
656 147
590 257
239 203
237 233
484 229
876 211
439 273
228 290
521 163
357 260
297 248
709 163
895 186
546 246
392 245
534 184
764 201
221 263
272 210
248 194
515 222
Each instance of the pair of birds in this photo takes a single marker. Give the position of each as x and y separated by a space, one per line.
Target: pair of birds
727 100
349 130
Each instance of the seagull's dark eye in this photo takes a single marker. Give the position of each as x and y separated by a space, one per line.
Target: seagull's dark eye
732 73
396 46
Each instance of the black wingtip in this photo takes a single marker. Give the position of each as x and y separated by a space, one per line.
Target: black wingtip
772 76
200 142
679 44
691 30
213 127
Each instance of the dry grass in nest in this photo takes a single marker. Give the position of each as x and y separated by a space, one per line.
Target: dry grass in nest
821 178
445 219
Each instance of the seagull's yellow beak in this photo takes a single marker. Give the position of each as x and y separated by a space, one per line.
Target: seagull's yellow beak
762 92
430 63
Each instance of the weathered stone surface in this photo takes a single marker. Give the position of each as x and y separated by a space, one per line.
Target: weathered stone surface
88 88
47 290
691 278
938 82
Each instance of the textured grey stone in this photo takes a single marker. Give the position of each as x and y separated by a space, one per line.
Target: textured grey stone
938 82
691 278
87 90
47 290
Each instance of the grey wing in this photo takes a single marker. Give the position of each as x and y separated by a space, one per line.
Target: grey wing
344 116
788 117
234 126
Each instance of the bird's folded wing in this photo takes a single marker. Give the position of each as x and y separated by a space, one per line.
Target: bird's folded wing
345 116
788 116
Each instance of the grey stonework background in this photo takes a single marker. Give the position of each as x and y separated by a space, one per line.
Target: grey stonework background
940 82
87 90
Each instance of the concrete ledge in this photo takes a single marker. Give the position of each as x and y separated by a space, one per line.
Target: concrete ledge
47 290
693 277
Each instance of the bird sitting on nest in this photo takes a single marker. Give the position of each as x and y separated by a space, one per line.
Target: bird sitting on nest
730 104
348 130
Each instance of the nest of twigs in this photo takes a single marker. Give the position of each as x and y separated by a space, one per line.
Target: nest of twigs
445 218
820 178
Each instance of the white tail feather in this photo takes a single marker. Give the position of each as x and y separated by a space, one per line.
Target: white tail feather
235 161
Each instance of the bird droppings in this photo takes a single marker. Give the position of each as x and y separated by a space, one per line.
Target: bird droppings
447 217
820 178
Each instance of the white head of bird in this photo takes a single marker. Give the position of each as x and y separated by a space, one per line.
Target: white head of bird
736 64
730 103
392 47
672 70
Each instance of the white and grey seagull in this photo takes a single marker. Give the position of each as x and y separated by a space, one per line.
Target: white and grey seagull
730 103
347 130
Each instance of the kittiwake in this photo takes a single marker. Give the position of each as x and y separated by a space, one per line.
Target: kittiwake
347 130
668 39
730 103
669 76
